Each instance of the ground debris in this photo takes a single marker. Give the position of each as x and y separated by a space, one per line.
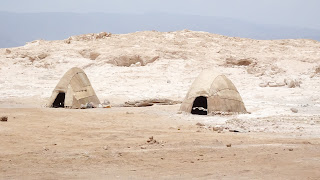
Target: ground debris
4 118
150 102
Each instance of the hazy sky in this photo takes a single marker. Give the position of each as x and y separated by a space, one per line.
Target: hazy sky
303 13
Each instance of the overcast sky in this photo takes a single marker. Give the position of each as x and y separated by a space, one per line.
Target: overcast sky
302 13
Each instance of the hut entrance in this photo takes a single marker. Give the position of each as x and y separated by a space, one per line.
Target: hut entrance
200 106
59 101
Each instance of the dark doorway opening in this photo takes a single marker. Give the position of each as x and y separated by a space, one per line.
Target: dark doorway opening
59 101
200 106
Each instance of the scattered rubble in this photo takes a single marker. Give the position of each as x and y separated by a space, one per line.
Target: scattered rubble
88 37
263 69
281 83
150 102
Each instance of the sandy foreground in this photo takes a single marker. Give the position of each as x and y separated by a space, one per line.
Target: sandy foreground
39 143
271 142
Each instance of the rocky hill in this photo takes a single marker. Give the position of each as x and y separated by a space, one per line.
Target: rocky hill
153 64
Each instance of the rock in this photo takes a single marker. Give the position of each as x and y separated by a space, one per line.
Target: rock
238 62
233 130
292 83
290 149
94 55
8 51
272 84
4 118
294 110
264 84
105 147
217 128
89 105
317 71
143 104
228 145
67 41
151 140
131 60
200 124
42 56
83 106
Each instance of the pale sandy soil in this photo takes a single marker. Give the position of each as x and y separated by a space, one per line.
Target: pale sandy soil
112 144
272 143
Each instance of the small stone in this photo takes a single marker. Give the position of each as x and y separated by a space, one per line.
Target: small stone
200 124
8 51
272 84
4 118
290 149
233 130
142 147
294 110
263 84
228 145
218 128
105 147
